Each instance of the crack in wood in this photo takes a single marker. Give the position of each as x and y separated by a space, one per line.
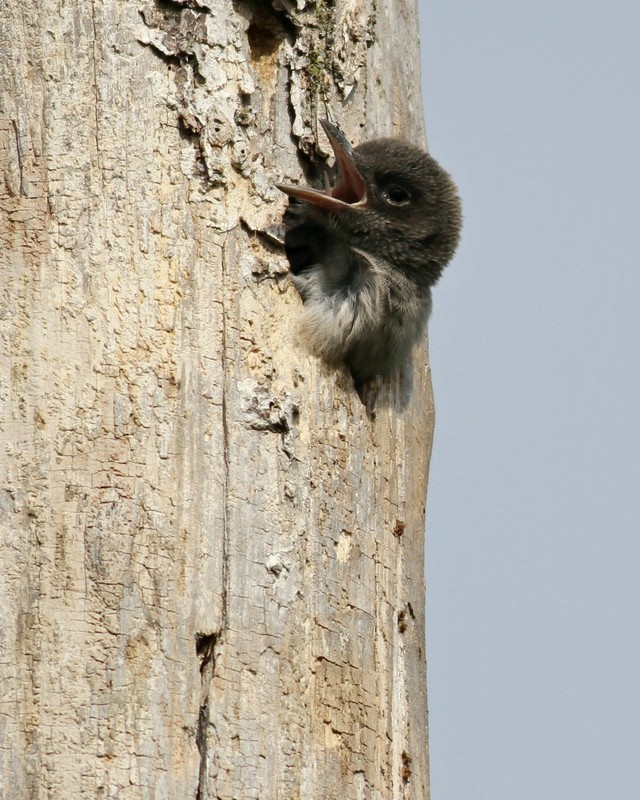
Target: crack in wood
207 645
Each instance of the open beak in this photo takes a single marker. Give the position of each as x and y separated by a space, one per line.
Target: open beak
350 190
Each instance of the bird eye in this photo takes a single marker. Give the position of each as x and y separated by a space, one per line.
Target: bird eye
396 195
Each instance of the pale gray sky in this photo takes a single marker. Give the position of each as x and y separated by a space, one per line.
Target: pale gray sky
533 529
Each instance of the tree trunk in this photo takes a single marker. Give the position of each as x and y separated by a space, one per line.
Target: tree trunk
212 556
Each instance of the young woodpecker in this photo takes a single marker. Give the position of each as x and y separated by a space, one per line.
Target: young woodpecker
365 252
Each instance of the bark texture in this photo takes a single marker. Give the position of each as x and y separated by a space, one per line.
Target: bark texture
211 566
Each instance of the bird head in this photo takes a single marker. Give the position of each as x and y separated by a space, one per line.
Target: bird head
391 200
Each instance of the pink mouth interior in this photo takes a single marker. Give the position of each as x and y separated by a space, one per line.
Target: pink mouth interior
350 188
345 192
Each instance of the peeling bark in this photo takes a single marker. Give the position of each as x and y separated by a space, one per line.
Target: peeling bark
211 566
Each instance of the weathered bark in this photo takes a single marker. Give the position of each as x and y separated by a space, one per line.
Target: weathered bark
211 566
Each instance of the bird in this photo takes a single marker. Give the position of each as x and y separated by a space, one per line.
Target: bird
365 250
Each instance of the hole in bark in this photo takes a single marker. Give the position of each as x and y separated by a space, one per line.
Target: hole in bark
168 7
205 646
265 32
175 7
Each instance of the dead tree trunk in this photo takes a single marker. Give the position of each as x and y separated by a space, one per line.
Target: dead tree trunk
211 568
